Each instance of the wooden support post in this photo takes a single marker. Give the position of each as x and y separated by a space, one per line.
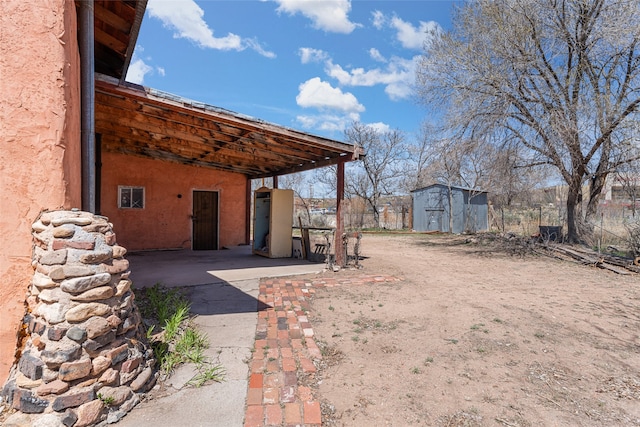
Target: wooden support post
304 239
339 220
275 181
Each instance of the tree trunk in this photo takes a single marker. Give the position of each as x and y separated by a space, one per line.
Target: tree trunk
376 217
598 181
573 215
595 193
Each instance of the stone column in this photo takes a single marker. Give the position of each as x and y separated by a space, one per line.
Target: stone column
83 360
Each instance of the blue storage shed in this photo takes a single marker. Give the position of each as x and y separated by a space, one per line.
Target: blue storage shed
432 208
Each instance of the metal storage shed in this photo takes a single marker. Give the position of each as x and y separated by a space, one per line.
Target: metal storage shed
432 207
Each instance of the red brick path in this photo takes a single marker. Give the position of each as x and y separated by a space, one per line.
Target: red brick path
285 350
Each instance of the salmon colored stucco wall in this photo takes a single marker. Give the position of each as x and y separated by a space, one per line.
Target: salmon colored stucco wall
40 134
165 221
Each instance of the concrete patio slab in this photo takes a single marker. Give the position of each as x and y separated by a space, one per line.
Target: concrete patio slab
222 287
187 268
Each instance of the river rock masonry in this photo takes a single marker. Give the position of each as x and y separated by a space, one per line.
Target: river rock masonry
83 360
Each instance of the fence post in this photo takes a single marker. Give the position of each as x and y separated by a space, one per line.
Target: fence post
601 228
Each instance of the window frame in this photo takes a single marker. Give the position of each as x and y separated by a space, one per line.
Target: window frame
130 189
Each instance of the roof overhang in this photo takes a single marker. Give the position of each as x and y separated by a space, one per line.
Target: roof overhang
116 28
139 121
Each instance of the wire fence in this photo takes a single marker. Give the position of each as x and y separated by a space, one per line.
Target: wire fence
616 227
613 228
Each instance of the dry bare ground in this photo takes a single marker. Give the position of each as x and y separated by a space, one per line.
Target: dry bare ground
478 335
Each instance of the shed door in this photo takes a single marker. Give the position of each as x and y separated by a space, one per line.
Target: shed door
205 220
434 219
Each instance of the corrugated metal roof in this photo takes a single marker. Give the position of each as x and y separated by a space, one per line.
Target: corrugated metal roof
457 187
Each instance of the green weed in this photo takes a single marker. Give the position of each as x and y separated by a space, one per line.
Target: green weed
173 322
178 341
213 373
106 400
191 345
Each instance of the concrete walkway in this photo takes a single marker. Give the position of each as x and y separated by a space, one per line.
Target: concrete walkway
223 287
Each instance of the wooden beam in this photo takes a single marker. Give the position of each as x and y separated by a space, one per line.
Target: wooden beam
309 166
284 135
110 18
184 145
165 133
140 149
138 123
339 219
110 41
135 119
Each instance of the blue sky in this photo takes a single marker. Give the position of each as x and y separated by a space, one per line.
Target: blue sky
311 65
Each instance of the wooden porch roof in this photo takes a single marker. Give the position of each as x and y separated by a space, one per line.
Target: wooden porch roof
140 121
116 27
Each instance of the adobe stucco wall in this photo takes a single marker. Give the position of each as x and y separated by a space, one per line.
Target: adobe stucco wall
40 134
165 221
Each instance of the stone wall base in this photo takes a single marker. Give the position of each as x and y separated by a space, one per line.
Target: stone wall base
84 361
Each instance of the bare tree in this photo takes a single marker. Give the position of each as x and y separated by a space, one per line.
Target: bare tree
327 178
420 156
512 180
452 159
298 182
495 166
559 77
381 169
628 176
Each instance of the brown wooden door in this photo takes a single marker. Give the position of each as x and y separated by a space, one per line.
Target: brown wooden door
205 220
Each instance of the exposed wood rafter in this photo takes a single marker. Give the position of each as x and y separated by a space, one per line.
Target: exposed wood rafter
137 121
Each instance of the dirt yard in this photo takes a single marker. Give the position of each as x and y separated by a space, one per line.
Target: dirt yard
476 336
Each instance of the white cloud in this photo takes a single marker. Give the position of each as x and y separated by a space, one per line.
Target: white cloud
414 37
378 19
379 126
337 108
336 123
255 45
138 69
376 55
397 76
308 54
327 15
315 93
397 91
186 19
327 122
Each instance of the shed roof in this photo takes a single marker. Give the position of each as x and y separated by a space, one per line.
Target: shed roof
457 187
